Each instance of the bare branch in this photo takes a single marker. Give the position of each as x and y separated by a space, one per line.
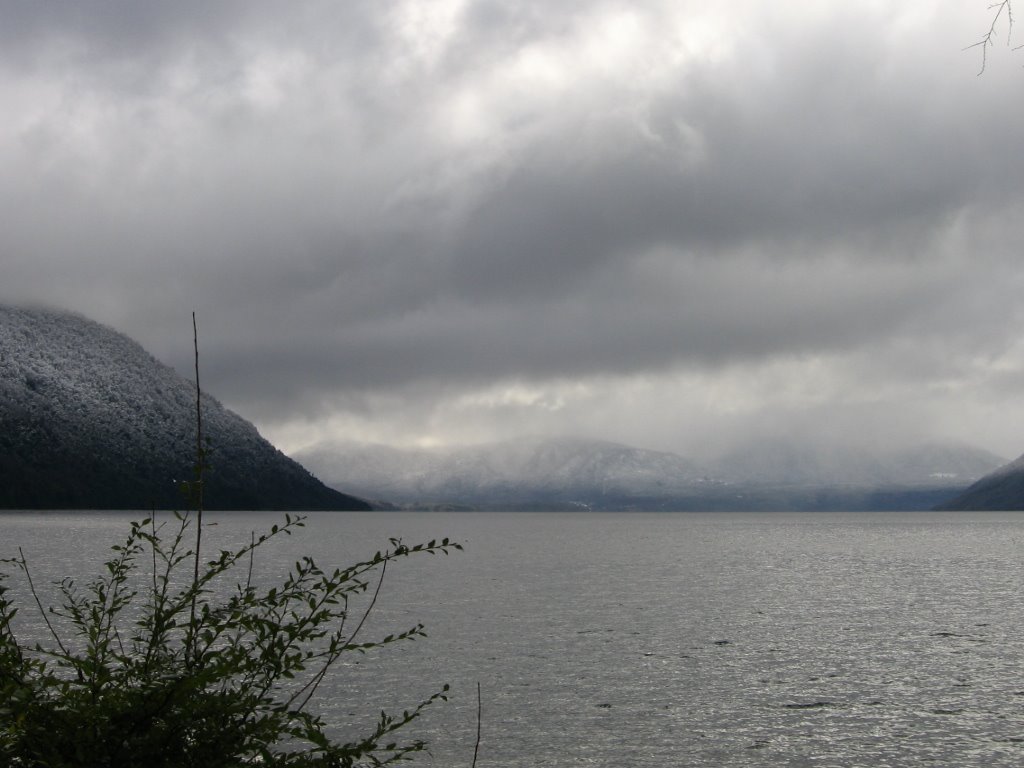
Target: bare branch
310 688
999 9
23 564
199 474
479 713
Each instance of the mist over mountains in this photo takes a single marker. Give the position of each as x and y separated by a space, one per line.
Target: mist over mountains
777 461
89 420
1000 490
527 471
576 472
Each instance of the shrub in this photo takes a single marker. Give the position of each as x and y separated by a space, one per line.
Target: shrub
158 663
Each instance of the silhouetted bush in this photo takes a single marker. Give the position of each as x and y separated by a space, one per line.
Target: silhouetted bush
155 663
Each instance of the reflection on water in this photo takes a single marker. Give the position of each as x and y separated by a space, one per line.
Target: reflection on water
867 639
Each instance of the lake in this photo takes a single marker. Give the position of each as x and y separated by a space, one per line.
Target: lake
663 639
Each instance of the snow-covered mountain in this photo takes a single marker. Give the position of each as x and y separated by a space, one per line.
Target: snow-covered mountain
539 471
88 419
763 475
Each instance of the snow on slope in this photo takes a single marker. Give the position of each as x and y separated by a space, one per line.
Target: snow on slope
563 469
593 472
89 419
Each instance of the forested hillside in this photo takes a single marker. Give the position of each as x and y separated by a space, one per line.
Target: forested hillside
88 419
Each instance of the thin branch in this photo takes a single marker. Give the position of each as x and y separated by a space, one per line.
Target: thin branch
200 458
111 605
120 644
314 683
252 554
6 614
988 39
23 563
152 547
479 712
199 475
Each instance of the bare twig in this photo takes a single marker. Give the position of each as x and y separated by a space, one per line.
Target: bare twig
479 712
310 688
199 475
23 564
988 39
200 457
152 548
252 555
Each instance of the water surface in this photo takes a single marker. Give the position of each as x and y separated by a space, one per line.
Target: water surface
726 639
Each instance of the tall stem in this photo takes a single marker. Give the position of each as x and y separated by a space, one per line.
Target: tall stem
200 462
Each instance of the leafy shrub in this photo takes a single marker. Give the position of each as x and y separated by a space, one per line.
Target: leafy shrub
156 663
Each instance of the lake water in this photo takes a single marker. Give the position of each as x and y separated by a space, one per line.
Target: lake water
872 639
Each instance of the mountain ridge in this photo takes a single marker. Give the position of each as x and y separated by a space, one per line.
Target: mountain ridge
1000 490
779 461
90 420
577 472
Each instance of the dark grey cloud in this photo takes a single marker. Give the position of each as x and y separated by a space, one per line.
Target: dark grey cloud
380 209
126 31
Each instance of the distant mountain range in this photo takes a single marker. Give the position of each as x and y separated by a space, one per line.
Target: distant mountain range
89 420
941 465
533 472
578 473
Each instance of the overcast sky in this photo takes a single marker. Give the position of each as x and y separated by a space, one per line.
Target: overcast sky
665 223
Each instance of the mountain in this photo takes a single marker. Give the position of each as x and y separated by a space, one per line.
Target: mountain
1003 489
785 462
89 420
525 472
572 472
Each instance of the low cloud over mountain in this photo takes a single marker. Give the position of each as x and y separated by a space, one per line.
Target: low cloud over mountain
575 472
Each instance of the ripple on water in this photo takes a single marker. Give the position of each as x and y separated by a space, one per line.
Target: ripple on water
733 640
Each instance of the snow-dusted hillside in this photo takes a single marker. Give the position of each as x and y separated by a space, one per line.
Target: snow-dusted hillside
562 471
763 475
88 419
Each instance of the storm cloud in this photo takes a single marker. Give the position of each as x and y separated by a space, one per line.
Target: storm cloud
667 223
